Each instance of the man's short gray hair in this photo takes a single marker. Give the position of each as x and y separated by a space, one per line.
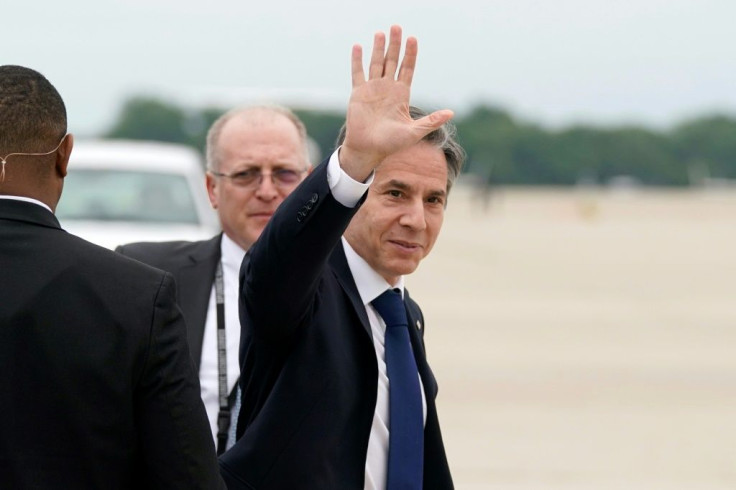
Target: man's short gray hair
251 113
444 138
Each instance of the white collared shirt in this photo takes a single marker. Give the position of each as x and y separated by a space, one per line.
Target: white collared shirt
231 255
26 199
370 285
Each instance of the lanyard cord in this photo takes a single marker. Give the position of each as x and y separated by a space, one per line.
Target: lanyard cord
223 417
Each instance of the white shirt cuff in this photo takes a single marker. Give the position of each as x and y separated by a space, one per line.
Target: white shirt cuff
346 190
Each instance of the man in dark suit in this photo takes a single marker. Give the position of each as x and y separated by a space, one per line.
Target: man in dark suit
318 409
98 388
255 157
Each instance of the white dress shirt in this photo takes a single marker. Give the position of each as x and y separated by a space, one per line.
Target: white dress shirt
231 256
26 199
370 285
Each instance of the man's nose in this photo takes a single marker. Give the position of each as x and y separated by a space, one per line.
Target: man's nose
266 188
413 215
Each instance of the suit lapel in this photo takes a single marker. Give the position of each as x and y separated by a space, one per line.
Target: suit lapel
195 281
339 264
416 327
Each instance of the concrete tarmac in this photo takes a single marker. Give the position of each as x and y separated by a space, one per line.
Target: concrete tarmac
585 339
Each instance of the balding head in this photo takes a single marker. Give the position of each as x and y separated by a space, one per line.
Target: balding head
256 157
261 115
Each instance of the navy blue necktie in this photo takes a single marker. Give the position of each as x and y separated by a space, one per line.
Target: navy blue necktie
406 424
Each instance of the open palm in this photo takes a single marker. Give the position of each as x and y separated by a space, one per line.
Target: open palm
378 120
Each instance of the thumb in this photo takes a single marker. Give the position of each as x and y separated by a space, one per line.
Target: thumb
430 122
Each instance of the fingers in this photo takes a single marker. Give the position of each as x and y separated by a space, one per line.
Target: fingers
430 122
406 72
356 65
392 55
384 63
375 69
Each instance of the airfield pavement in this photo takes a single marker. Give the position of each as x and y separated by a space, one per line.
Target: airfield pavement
585 338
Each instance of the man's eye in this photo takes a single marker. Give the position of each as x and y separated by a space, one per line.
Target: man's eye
285 175
394 193
245 175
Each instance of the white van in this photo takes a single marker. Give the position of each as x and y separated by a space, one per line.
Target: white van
120 191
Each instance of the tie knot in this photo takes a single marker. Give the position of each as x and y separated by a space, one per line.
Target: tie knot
391 308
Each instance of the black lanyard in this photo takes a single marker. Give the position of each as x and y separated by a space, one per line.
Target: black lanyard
223 417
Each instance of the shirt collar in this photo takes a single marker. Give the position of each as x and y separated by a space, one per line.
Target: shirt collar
369 282
26 199
230 252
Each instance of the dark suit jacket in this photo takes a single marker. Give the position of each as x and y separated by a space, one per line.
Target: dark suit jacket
97 386
309 373
193 266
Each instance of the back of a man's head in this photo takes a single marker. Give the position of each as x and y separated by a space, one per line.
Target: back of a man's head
32 113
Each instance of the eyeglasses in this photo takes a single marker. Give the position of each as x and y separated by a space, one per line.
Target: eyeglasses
253 177
3 160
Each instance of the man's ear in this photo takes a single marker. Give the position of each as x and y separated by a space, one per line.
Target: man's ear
211 182
63 154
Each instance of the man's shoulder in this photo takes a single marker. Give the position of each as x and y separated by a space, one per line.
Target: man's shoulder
155 248
104 265
165 254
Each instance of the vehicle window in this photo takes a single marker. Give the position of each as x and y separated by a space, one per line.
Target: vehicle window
120 195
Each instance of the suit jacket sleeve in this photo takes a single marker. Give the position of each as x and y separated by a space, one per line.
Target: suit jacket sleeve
175 438
279 283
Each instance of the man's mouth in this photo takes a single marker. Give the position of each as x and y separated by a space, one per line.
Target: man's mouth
406 246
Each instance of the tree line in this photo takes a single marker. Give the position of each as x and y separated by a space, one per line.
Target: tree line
502 149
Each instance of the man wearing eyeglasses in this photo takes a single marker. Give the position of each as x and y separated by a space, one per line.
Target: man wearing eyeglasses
97 387
255 157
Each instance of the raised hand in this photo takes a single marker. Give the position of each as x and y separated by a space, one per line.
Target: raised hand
378 120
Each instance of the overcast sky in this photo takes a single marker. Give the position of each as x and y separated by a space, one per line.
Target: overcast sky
556 62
